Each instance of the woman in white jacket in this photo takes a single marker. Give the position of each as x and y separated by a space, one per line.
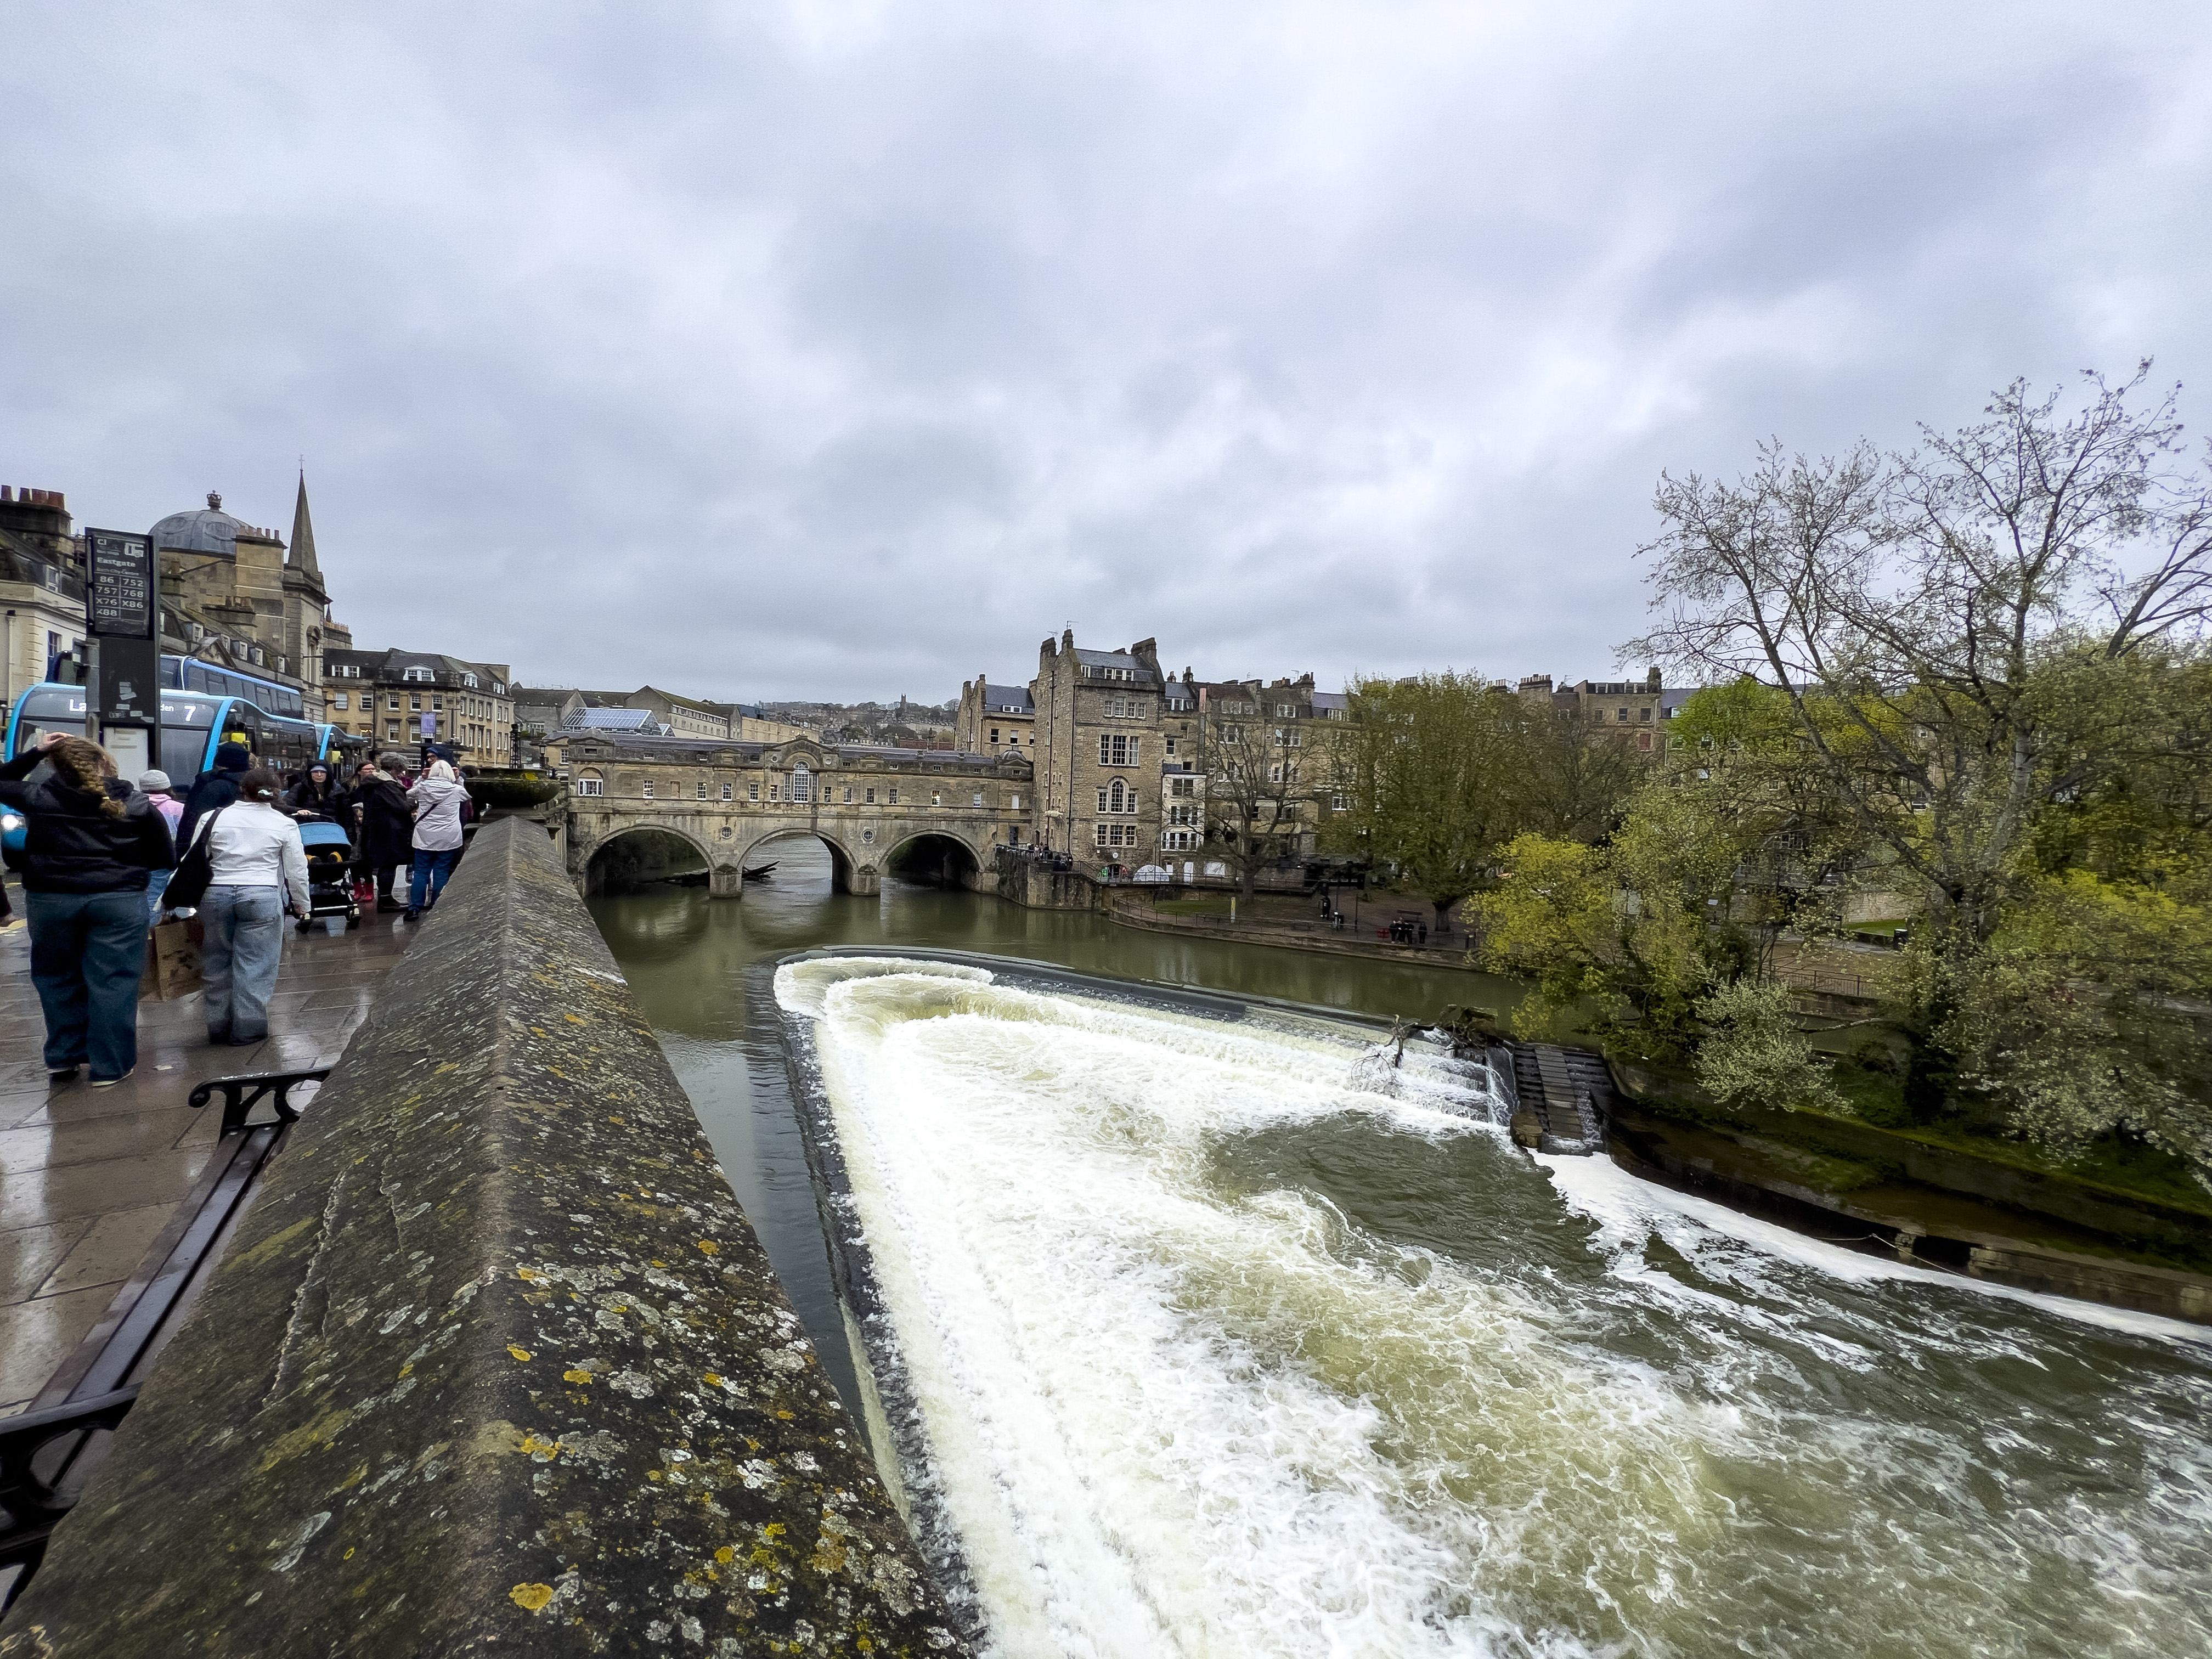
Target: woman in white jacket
260 871
436 797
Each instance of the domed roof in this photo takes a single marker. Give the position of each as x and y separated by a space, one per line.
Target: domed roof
206 530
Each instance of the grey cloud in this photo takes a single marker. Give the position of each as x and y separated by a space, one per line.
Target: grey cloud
846 350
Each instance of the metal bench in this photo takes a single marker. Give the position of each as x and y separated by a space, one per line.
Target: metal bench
49 1452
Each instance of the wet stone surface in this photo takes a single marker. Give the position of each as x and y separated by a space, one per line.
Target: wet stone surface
495 1362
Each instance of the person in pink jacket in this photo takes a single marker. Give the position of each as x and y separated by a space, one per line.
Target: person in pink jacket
156 788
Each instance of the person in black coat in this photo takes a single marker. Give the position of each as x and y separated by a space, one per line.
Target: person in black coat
90 842
215 788
315 796
387 827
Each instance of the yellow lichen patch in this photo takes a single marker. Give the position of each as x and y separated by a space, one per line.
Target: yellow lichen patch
708 1247
726 1555
520 1353
652 1474
530 1273
495 1437
321 1431
576 1377
348 1555
575 1019
773 1529
530 1597
611 1118
533 1445
271 1246
405 1369
785 1416
713 1381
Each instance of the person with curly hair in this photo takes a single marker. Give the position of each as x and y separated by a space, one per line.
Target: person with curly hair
90 843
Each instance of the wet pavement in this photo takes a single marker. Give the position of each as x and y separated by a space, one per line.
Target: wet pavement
88 1176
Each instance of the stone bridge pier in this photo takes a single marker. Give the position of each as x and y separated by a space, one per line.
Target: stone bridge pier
643 808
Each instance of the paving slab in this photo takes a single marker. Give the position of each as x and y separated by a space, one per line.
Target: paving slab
88 1176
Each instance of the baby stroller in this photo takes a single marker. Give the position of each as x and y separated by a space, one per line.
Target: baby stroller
329 876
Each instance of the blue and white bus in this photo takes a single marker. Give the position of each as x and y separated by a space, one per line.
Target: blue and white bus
195 722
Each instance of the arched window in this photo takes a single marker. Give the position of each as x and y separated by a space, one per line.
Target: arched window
802 783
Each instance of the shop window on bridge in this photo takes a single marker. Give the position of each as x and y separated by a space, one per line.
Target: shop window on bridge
649 792
698 791
802 784
870 797
979 798
775 792
727 791
1015 805
894 798
937 797
752 792
591 783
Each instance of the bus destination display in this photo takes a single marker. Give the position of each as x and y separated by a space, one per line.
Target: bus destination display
122 597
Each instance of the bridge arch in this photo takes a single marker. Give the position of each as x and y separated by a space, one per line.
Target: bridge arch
940 855
847 873
629 854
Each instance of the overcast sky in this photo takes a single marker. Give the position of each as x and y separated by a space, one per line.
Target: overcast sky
846 351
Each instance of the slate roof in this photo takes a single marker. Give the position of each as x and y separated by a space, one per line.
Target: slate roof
999 698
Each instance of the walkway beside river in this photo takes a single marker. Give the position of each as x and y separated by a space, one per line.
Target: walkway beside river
88 1176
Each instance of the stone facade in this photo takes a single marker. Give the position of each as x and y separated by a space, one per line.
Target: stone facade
865 803
41 585
1628 712
1104 725
386 695
247 601
995 717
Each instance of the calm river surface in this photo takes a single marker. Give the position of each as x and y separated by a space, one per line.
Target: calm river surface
1229 1343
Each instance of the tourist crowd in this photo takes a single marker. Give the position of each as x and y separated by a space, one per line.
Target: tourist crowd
103 861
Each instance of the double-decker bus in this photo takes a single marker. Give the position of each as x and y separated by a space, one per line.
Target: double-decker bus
203 707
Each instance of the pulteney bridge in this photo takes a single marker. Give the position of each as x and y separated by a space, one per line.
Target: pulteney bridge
932 808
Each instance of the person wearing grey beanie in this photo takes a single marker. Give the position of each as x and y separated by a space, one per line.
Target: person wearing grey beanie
155 787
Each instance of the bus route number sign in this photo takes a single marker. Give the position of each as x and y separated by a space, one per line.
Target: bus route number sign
120 602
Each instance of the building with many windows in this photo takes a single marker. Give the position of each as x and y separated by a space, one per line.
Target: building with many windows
402 699
1628 712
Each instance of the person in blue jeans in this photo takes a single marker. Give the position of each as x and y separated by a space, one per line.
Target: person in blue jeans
257 871
436 797
90 841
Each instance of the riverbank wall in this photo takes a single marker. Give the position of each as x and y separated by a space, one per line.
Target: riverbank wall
494 1361
2031 1228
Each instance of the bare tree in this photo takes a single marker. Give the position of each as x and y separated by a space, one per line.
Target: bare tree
1260 783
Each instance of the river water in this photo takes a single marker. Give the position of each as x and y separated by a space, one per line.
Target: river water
1227 1340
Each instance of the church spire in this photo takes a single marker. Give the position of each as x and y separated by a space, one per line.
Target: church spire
301 555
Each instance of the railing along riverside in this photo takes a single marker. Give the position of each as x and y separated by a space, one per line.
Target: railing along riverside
495 1360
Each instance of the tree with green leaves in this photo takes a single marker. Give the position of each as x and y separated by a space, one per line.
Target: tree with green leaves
1977 644
1437 772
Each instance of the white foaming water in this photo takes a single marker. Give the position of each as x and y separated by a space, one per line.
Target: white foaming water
1231 1340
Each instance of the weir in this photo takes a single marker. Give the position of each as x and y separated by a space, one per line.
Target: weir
494 1361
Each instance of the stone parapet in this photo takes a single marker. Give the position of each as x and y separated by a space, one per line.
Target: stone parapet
495 1361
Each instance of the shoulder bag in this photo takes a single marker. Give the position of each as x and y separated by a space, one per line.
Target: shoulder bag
189 882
